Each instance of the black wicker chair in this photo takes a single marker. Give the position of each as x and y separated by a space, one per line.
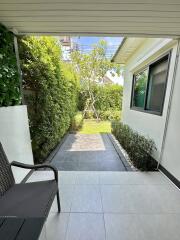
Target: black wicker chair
25 199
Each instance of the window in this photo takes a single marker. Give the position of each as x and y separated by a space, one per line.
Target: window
157 85
149 87
140 82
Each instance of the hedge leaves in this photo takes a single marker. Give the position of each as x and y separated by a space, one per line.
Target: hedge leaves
9 78
51 92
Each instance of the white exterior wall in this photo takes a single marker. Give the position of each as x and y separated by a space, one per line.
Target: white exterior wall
147 124
171 153
15 137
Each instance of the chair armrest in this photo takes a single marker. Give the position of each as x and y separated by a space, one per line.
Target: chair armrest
38 166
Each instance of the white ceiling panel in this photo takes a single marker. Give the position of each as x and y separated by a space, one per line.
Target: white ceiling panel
156 18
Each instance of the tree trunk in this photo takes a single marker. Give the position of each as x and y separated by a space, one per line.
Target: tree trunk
90 105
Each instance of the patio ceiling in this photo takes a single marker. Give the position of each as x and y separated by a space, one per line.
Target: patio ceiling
95 17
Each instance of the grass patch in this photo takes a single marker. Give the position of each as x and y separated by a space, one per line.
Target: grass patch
92 126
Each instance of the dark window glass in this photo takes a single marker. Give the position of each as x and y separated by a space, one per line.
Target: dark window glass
140 83
149 87
157 85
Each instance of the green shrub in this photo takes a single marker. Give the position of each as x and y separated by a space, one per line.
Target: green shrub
77 122
108 97
138 147
51 92
9 79
110 115
89 115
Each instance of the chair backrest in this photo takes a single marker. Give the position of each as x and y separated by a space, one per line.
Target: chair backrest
6 175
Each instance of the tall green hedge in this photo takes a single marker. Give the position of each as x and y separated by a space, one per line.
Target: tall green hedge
9 79
108 97
51 91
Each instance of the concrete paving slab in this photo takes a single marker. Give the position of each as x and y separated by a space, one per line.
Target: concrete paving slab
88 152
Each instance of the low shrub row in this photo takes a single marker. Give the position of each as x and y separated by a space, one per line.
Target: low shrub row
138 147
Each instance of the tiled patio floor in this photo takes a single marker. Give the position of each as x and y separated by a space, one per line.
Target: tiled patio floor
89 152
113 206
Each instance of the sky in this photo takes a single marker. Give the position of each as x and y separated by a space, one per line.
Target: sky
113 43
86 43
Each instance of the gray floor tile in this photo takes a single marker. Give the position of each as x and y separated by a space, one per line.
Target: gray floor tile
168 196
66 177
142 227
86 227
66 156
122 227
66 195
87 178
116 199
66 165
147 178
86 198
140 199
109 155
56 226
114 165
160 226
88 165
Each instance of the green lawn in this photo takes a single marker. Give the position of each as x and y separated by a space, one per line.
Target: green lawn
92 126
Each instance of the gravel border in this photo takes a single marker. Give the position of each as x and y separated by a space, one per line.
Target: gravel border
122 153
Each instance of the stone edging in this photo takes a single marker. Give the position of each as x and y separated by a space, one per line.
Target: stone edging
56 149
122 153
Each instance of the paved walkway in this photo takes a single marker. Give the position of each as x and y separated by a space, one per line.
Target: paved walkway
113 206
88 152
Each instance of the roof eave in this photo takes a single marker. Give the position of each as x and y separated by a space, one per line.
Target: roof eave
118 50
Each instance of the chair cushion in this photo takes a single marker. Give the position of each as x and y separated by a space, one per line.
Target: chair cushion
28 199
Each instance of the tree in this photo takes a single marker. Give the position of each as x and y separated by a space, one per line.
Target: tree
91 68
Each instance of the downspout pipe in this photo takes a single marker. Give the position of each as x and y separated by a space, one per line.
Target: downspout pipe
169 104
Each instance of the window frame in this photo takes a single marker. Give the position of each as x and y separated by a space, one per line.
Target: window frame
148 67
133 87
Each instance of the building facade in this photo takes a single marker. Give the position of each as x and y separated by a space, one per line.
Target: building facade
151 95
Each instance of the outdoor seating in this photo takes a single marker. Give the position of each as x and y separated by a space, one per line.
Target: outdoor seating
24 200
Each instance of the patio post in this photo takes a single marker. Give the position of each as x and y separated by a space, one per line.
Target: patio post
19 67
